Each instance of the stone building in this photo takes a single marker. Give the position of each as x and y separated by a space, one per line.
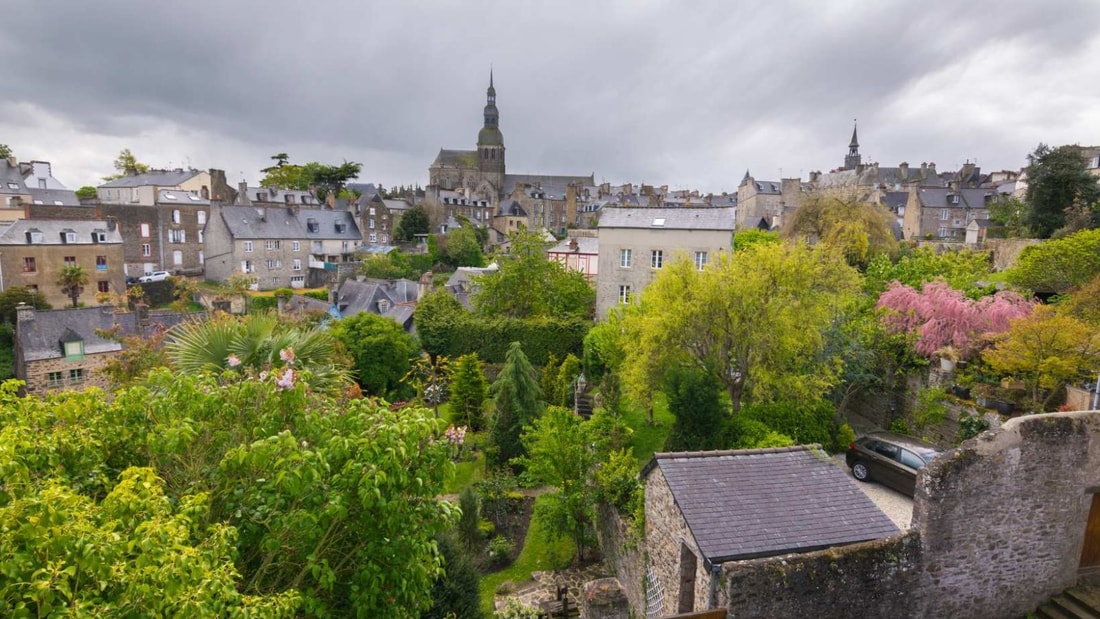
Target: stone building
944 212
475 184
34 252
279 247
635 243
143 188
766 204
65 349
30 183
704 509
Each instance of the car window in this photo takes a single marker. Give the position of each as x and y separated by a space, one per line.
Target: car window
911 459
884 449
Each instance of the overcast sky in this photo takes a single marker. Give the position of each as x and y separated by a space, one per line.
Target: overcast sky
684 93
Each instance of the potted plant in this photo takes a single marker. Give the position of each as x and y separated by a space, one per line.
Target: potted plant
964 380
983 394
948 358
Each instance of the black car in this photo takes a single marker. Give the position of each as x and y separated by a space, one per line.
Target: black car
890 459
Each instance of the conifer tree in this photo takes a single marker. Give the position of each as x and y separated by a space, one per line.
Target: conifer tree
517 401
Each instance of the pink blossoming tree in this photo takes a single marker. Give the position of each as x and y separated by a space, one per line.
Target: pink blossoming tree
941 316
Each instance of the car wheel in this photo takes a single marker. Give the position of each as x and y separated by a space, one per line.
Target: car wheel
861 472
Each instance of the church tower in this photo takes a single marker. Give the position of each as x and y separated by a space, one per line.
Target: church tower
852 161
490 142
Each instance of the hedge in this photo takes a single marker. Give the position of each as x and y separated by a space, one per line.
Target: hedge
467 333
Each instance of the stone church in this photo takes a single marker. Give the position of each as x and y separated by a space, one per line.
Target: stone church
475 184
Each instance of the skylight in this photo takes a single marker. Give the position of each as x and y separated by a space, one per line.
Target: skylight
660 221
169 196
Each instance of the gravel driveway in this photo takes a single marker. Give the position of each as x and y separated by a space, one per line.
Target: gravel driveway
895 505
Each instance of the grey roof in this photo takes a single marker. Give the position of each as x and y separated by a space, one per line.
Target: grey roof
585 245
894 200
511 208
768 187
302 303
41 337
15 233
461 283
174 196
163 178
553 186
274 194
936 197
766 502
456 158
396 205
400 295
257 222
366 190
682 218
60 197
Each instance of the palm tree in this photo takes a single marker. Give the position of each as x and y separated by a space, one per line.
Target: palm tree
72 280
259 342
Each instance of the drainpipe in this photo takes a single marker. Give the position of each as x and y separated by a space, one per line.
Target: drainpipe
715 570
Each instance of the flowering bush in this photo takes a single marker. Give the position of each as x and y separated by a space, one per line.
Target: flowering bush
941 316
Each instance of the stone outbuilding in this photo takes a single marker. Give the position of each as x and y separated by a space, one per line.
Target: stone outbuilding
705 509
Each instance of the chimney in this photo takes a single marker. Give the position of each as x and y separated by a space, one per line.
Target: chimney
903 170
932 168
573 246
424 286
24 313
330 199
242 194
112 223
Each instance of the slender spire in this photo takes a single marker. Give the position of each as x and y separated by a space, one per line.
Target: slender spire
853 160
855 140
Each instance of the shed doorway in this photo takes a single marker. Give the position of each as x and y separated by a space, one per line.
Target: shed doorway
688 565
1090 548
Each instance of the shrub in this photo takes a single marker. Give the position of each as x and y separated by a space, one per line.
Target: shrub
845 436
321 295
618 482
899 426
805 423
470 520
500 548
740 432
971 426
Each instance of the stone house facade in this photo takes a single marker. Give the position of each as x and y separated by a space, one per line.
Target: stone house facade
34 252
766 204
635 243
944 212
64 349
144 188
30 183
279 247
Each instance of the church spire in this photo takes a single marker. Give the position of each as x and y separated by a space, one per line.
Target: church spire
853 159
854 143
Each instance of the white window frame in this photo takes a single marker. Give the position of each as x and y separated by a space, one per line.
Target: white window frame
146 250
248 247
626 258
145 230
624 294
701 259
296 246
297 264
656 258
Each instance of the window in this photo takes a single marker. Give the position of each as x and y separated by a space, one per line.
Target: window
372 237
271 244
945 214
275 281
297 264
624 293
176 216
55 379
101 263
312 225
942 231
177 257
273 264
201 236
34 236
74 351
29 265
76 377
884 449
372 210
202 257
625 257
911 460
144 231
954 198
146 250
177 236
202 217
248 246
298 279
296 245
385 238
41 183
70 261
371 225
341 226
70 237
103 286
246 266
700 260
657 258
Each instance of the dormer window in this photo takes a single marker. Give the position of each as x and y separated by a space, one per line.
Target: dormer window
341 226
99 236
34 236
312 225
72 346
68 236
954 198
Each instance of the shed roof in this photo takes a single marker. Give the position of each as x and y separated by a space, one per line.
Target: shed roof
41 337
764 502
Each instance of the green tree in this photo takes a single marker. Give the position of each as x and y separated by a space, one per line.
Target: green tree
527 285
756 321
321 178
393 265
743 239
1058 265
415 221
1056 179
462 249
5 151
382 351
559 454
1010 212
861 230
1046 350
72 281
126 164
455 592
516 402
12 297
430 377
87 192
693 399
258 342
963 270
468 391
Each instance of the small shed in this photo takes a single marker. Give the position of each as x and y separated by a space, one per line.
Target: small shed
976 231
703 509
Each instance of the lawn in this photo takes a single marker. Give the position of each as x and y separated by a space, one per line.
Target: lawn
647 438
466 473
537 555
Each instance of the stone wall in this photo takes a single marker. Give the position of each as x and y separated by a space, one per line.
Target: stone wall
623 553
1002 518
666 532
876 579
1005 251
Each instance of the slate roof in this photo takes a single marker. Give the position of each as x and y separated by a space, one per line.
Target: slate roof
765 502
165 178
256 222
553 186
680 218
936 197
895 200
174 196
355 296
41 337
456 158
273 194
585 245
65 197
15 233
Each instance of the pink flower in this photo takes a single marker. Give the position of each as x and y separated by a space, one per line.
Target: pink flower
233 361
455 435
287 355
287 381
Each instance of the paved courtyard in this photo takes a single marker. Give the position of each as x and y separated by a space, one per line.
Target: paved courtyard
895 505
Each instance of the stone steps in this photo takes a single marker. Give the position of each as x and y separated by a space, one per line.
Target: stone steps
1079 602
